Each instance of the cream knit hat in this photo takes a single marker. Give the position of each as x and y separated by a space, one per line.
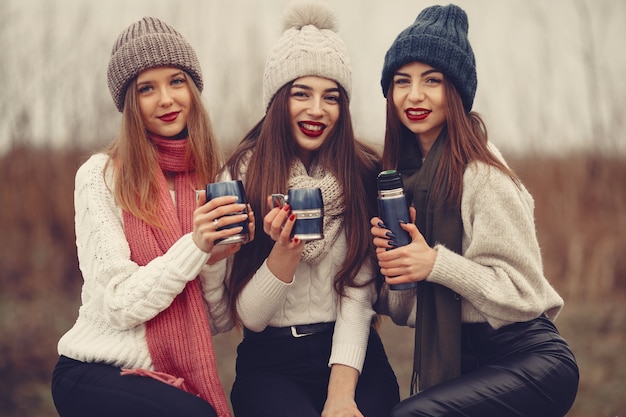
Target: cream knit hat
145 44
309 46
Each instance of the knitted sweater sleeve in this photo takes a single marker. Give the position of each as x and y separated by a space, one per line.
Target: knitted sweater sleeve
261 299
130 294
352 327
212 277
500 275
400 305
311 298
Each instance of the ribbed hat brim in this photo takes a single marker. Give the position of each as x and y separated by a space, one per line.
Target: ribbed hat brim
437 52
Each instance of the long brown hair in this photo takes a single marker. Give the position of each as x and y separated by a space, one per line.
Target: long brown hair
354 164
135 158
467 141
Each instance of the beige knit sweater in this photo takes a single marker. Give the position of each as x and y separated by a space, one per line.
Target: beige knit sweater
500 275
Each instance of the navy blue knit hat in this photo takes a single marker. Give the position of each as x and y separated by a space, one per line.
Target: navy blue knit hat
438 37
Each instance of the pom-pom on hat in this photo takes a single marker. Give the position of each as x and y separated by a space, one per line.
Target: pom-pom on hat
438 37
145 44
308 46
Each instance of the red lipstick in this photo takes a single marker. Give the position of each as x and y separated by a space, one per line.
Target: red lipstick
416 115
312 129
169 117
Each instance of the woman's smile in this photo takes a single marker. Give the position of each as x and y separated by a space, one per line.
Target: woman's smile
418 96
314 110
164 100
312 129
169 117
416 114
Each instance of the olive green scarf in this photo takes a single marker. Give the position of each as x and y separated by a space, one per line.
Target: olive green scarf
437 356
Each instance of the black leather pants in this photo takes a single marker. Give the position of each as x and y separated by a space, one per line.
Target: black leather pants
524 369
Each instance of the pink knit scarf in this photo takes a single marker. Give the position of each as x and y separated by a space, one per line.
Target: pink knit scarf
179 338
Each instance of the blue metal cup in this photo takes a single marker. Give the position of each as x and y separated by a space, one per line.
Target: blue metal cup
230 188
308 207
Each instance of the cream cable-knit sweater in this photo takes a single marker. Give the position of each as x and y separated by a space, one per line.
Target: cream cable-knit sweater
311 298
118 296
500 275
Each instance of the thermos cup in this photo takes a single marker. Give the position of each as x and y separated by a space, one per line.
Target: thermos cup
393 208
234 188
308 207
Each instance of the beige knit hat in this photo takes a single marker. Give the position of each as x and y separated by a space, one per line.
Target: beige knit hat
309 46
145 44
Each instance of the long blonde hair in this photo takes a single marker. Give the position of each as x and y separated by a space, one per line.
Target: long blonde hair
135 158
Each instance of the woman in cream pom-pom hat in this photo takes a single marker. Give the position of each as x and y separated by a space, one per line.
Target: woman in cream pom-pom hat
309 347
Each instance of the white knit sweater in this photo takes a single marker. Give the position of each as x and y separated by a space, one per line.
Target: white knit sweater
119 296
311 298
500 275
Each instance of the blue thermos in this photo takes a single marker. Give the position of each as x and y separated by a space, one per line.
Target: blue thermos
393 208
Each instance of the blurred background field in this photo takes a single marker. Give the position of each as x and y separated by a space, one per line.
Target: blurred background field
581 222
551 87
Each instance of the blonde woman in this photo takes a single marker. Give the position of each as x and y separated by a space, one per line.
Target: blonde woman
153 291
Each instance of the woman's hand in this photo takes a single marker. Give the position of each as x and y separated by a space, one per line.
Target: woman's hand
341 407
403 264
209 216
382 235
341 387
285 255
278 224
251 223
220 252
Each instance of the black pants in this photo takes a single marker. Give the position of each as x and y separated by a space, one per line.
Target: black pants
288 377
97 390
524 369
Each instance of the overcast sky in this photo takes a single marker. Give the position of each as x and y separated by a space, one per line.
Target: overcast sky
550 73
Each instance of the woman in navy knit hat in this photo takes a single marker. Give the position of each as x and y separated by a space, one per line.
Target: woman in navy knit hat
483 311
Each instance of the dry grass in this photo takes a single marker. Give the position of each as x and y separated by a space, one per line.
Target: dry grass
581 222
